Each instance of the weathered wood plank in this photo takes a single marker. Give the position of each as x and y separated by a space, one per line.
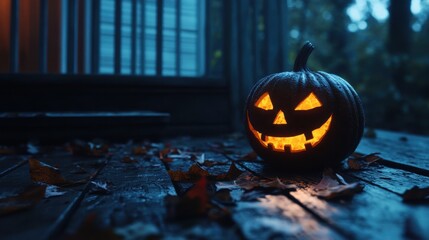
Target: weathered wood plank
394 180
375 213
277 217
10 163
401 148
49 211
268 217
137 194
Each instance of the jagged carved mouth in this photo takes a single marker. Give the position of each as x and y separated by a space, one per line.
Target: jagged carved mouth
293 144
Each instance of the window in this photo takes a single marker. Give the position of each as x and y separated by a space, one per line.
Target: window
155 37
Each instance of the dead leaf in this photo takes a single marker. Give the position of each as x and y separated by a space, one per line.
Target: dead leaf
333 186
341 191
329 179
128 159
163 153
195 202
233 173
248 181
416 194
44 173
99 188
176 151
276 184
53 191
23 201
200 159
194 172
359 162
208 163
139 150
95 148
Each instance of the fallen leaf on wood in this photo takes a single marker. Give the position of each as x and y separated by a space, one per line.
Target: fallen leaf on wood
333 186
359 162
176 151
128 159
139 150
209 163
251 156
329 179
233 173
44 173
341 191
200 159
276 184
416 194
23 201
163 153
96 148
248 181
99 188
194 172
194 203
53 191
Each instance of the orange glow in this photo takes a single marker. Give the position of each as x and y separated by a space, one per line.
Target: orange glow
308 103
280 118
297 143
264 102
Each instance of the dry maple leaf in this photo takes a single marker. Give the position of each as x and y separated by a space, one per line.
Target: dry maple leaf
96 148
359 161
194 203
128 159
139 150
23 201
248 181
416 194
333 186
44 173
53 191
194 172
233 173
99 188
163 153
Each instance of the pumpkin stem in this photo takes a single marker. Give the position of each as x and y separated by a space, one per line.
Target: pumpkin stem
301 59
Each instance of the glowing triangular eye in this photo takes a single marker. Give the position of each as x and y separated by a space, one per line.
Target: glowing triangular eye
308 103
264 102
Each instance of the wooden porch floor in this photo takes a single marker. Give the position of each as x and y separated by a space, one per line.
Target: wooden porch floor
211 188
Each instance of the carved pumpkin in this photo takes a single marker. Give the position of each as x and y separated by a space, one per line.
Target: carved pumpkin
303 118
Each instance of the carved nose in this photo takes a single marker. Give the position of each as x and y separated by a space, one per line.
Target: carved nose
280 118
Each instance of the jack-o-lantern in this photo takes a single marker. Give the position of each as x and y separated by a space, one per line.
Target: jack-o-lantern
302 118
